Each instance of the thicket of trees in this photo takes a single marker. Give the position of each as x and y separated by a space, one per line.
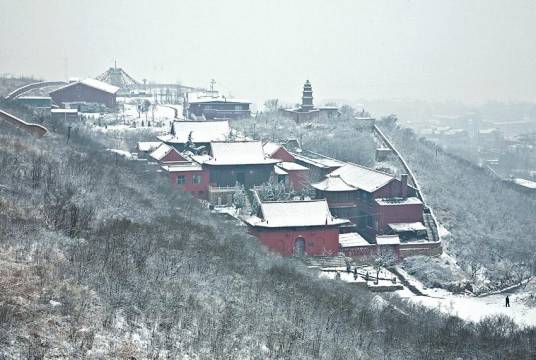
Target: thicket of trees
101 258
491 224
336 137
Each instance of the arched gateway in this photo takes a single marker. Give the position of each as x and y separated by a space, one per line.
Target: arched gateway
299 246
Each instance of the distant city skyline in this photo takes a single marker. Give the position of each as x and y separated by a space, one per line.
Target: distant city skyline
470 51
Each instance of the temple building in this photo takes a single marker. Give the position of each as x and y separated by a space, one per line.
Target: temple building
375 202
296 227
307 111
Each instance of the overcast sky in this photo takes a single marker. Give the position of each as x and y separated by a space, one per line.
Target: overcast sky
429 50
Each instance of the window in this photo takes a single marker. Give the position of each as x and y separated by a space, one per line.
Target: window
370 221
196 179
241 178
181 179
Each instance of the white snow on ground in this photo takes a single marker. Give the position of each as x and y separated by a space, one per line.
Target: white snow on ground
161 112
331 273
472 308
469 307
442 231
229 210
124 153
127 120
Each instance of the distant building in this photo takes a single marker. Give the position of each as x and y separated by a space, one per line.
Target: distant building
146 147
89 91
65 114
215 107
39 102
166 154
297 227
189 177
307 111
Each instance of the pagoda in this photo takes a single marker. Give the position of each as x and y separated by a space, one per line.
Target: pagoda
307 111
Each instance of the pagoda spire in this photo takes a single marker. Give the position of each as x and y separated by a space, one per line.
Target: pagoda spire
307 98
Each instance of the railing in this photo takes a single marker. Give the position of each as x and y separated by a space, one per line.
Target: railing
37 85
222 188
34 129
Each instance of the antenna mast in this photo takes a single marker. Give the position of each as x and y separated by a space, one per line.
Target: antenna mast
212 83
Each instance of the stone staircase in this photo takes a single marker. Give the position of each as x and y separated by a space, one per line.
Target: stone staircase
431 227
247 208
324 261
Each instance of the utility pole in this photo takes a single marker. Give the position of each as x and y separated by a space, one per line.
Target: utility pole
212 83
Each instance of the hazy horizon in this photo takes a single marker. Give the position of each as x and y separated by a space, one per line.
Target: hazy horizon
467 51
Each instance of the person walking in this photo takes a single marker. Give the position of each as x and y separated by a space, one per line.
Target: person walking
507 301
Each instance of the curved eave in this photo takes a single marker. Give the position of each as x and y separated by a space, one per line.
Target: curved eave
261 225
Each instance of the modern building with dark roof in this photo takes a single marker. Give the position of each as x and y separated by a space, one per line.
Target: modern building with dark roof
216 107
86 91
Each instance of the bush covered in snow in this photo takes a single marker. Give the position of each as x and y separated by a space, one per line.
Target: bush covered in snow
340 137
434 272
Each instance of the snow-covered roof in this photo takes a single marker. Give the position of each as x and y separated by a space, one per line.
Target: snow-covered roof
361 177
196 98
398 201
403 227
352 240
96 84
148 145
270 148
200 158
525 183
64 111
295 214
101 85
34 97
387 240
237 153
317 160
291 166
160 152
189 166
279 171
333 183
202 131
